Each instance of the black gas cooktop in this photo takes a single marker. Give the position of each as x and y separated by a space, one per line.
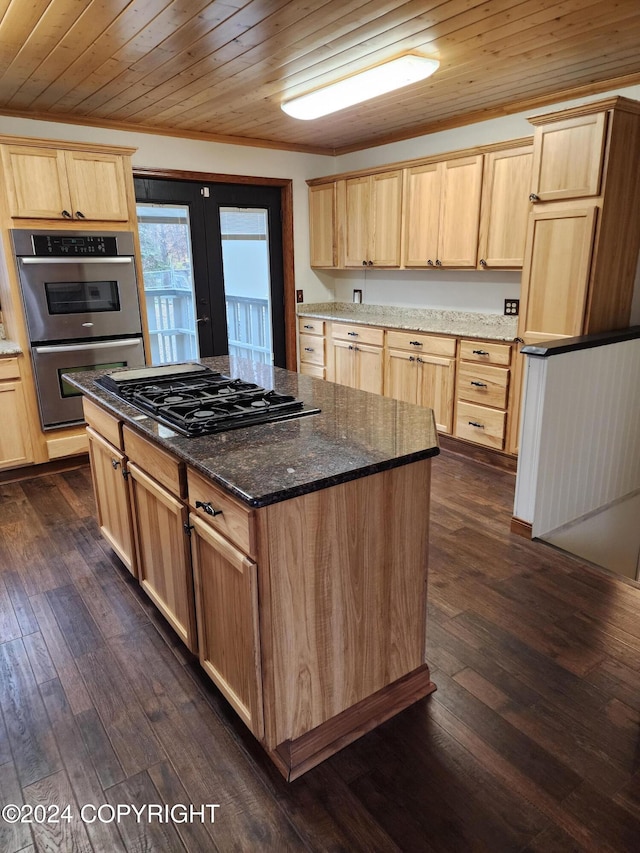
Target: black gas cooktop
194 400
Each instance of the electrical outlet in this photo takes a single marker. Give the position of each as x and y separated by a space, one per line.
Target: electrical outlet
512 307
299 296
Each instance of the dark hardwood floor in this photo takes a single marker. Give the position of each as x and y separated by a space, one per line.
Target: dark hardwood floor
531 742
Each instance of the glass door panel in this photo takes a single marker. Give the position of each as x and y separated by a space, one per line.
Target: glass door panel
167 265
247 282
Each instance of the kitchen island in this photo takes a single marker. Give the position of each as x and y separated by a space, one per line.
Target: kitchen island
290 556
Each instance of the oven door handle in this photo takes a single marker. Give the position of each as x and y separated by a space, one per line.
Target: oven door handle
127 342
78 259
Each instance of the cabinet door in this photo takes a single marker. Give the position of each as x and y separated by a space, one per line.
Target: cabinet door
460 212
322 225
505 207
386 210
436 388
15 445
369 368
568 157
226 583
358 217
36 181
112 497
344 364
401 376
162 548
98 187
556 272
422 215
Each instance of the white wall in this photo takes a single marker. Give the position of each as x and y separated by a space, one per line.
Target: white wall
473 290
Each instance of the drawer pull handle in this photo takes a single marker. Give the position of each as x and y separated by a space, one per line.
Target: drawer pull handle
478 384
476 424
206 506
416 343
309 349
352 334
308 327
480 352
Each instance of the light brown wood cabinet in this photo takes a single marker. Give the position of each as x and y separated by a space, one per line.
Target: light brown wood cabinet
113 500
15 444
51 183
442 213
372 220
357 356
505 208
312 346
323 244
482 392
420 369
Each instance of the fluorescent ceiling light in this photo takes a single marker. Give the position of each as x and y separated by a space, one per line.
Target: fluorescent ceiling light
361 87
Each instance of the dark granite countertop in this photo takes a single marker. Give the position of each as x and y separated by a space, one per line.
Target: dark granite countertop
354 435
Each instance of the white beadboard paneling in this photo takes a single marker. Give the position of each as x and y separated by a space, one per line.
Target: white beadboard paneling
589 442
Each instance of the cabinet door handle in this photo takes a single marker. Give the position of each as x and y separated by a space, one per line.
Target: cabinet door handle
412 358
429 263
480 352
66 214
483 263
479 384
476 424
114 464
369 263
364 263
80 214
438 263
206 506
534 197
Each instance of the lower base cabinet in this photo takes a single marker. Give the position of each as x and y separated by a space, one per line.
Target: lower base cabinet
309 614
15 445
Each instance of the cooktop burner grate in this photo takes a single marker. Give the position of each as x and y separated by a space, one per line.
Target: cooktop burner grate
200 401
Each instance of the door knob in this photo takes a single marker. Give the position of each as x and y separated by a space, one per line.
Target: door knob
202 319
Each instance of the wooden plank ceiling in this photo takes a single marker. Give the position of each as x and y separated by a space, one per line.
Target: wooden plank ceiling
221 69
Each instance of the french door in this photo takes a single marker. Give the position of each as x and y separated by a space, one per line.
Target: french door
213 269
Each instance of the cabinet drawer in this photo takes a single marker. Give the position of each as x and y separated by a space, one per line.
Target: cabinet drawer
418 342
485 353
361 334
107 425
233 520
9 368
312 370
310 326
162 466
311 349
482 425
483 384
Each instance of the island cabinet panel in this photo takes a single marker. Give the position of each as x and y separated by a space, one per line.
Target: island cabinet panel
343 598
113 504
162 548
226 585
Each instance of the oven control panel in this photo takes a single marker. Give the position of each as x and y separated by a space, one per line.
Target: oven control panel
67 245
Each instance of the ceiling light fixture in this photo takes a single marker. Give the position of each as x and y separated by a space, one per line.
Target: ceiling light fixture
378 80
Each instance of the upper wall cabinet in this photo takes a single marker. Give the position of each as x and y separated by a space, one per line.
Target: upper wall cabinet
49 183
505 208
442 213
322 225
567 159
373 208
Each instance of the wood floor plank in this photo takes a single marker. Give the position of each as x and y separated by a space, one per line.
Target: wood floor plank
9 627
39 657
76 623
82 777
33 745
20 601
14 837
61 656
100 749
122 716
61 835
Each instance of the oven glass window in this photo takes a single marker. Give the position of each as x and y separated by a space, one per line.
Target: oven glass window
82 297
67 390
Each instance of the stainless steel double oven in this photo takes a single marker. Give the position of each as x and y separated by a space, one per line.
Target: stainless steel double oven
81 304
